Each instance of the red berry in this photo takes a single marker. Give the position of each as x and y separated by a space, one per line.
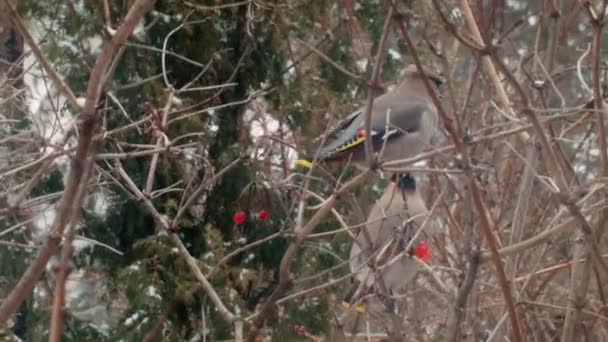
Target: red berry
422 251
263 215
360 133
239 217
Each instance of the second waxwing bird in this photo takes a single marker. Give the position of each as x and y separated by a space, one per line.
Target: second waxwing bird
393 222
402 124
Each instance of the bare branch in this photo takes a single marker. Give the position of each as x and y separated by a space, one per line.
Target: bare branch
228 316
373 85
78 176
59 82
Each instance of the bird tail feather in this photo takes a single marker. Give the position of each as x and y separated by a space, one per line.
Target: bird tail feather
347 302
304 163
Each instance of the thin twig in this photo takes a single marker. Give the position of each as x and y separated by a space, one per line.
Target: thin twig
78 177
59 82
160 125
299 235
329 60
373 85
458 311
228 316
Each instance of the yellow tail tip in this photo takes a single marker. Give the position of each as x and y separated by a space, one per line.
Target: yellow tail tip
359 308
304 163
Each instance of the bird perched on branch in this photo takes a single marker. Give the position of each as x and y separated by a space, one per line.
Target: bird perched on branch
402 124
393 222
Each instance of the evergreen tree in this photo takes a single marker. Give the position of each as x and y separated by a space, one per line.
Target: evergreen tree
206 106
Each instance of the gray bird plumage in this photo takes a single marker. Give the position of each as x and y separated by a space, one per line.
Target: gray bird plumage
405 117
392 223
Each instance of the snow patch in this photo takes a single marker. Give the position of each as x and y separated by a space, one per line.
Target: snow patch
394 54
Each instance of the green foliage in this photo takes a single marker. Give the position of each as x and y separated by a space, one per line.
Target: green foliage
51 184
238 44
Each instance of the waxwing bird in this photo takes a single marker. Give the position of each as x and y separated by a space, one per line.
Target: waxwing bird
393 222
402 124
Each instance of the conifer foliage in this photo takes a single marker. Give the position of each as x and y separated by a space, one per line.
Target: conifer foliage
149 188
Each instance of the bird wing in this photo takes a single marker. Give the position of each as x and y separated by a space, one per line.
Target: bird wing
335 139
404 116
344 123
402 119
344 136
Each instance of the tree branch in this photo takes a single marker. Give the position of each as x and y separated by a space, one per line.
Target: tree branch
372 86
27 37
71 199
293 248
228 316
